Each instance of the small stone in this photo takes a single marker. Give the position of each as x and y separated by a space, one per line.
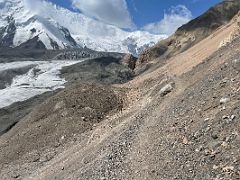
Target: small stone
225 117
224 100
214 144
16 176
233 117
153 171
64 114
208 129
217 178
228 168
63 137
227 139
224 144
200 148
233 79
57 145
207 119
62 168
185 141
214 136
172 129
207 152
212 157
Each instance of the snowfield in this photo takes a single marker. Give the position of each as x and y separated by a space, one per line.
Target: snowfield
42 78
57 27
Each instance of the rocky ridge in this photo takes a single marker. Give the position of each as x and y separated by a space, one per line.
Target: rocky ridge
191 33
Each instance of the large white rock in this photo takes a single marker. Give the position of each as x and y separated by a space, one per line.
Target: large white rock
166 89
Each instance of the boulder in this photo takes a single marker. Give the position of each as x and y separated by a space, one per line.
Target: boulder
224 100
130 61
166 89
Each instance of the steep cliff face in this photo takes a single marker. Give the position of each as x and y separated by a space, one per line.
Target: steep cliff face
192 32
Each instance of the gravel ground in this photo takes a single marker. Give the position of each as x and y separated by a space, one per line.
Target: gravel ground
10 115
107 70
183 126
55 122
104 70
190 132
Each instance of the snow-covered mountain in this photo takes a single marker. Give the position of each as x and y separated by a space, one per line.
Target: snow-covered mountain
59 28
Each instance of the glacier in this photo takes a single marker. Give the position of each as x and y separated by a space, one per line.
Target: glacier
43 77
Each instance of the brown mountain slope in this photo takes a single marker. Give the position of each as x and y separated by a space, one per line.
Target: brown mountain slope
192 32
190 132
180 120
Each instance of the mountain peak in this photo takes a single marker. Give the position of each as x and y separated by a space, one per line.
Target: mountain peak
59 28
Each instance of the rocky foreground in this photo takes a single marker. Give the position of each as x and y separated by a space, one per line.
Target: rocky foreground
164 124
101 70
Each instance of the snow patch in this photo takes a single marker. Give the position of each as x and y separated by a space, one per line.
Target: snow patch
15 65
42 78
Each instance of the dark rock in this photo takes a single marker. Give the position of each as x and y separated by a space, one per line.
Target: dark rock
130 61
104 70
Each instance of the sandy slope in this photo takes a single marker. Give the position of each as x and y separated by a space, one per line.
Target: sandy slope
198 53
185 61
